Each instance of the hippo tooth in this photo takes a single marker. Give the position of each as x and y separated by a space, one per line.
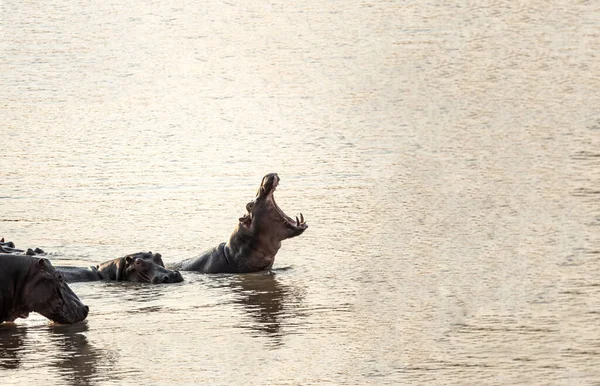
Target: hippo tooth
301 218
297 221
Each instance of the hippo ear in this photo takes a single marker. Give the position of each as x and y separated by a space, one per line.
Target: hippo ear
122 264
44 264
157 258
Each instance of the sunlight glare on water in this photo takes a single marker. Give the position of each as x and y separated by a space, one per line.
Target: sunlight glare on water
445 156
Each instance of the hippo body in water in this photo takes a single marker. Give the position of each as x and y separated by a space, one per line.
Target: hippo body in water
144 267
29 283
8 247
255 241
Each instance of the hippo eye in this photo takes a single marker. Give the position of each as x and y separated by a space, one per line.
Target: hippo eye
59 276
249 206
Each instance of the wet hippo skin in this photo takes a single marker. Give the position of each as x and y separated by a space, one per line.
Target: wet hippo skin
144 267
29 283
256 239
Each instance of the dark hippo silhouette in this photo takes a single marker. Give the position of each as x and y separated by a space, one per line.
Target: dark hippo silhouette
255 241
144 267
29 283
8 247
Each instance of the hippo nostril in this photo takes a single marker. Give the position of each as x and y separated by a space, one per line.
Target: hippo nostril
166 279
176 276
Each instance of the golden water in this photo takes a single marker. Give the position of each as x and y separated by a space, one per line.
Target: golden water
446 156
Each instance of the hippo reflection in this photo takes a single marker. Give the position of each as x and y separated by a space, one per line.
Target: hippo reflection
143 267
29 283
271 303
256 239
11 341
78 361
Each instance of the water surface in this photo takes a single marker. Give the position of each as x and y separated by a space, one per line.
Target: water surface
445 155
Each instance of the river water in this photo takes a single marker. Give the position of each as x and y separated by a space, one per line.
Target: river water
445 154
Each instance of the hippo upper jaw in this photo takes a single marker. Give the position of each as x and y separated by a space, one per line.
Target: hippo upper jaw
265 217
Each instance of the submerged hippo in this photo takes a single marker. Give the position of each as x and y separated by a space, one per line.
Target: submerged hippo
144 267
29 283
255 241
9 247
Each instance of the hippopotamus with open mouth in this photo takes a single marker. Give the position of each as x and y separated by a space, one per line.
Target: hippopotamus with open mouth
29 283
144 267
255 241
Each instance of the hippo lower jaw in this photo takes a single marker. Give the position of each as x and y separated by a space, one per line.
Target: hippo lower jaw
294 227
70 317
298 226
171 277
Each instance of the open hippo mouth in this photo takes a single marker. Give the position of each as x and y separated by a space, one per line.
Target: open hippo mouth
265 202
299 223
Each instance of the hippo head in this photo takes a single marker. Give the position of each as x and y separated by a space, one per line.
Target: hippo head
266 220
147 267
46 293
